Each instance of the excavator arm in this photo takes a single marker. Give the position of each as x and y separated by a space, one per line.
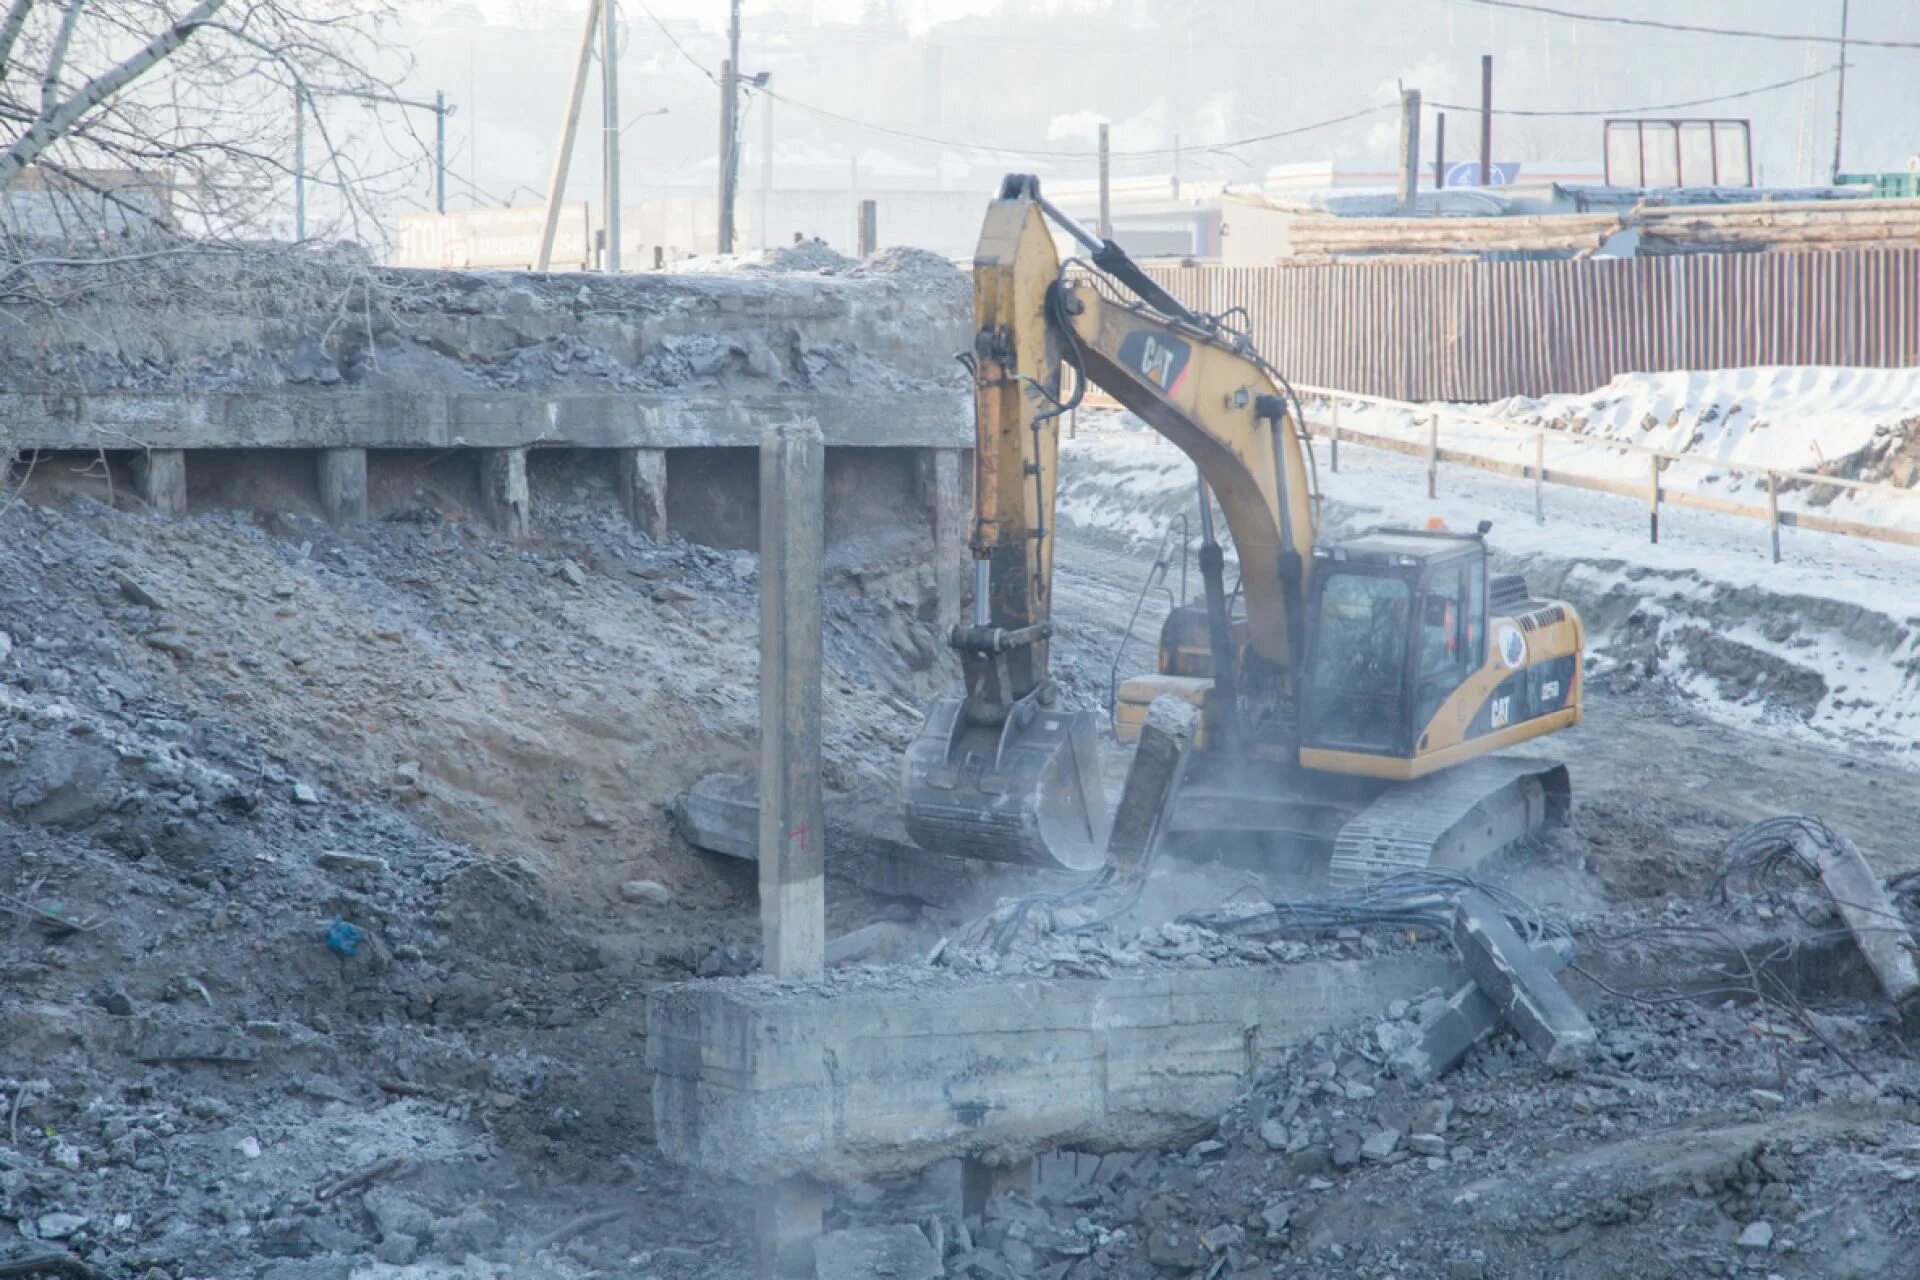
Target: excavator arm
1004 771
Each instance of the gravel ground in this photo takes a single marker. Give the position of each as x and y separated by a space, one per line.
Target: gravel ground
323 852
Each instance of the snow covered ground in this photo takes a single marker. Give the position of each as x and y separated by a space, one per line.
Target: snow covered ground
1861 424
1824 644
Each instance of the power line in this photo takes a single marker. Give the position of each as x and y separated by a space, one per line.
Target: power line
1045 153
697 64
1658 24
1662 106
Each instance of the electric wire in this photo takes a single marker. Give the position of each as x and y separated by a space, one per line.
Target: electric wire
1062 154
674 41
1691 28
1532 113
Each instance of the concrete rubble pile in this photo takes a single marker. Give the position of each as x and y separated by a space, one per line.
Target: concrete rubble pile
1533 1105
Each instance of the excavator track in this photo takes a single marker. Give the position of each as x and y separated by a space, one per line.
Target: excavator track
1450 820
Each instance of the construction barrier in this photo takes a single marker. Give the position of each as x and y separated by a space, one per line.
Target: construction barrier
1478 331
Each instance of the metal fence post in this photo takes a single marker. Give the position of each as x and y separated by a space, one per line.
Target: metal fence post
1653 499
1433 455
1539 477
1336 435
1773 515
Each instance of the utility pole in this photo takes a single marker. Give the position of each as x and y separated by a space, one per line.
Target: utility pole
569 125
726 156
1840 101
1176 166
1106 191
299 164
610 107
1439 150
440 151
1409 150
1486 119
766 166
729 127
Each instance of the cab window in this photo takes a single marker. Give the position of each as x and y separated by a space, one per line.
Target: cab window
1359 661
1442 637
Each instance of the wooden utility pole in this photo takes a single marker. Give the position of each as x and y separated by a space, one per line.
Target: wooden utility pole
729 128
299 164
724 236
766 168
1439 150
867 233
1106 189
610 125
569 126
1486 119
1409 150
1840 100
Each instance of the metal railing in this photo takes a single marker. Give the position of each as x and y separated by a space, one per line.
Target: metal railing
1653 490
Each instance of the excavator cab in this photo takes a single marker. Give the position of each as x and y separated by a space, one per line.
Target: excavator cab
1396 621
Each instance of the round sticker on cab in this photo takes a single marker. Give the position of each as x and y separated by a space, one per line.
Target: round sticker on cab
1513 645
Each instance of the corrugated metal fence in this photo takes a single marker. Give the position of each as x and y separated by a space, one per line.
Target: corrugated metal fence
1483 330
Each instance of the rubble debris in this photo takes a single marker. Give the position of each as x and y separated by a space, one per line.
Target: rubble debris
1463 1020
866 1253
156 1042
1520 985
1153 782
649 893
1882 936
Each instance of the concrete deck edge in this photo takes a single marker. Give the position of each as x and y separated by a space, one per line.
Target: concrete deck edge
440 419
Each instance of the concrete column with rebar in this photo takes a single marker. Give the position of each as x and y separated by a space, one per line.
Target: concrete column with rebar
160 476
342 476
792 814
503 491
643 489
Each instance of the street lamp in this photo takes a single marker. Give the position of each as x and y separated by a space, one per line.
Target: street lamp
657 111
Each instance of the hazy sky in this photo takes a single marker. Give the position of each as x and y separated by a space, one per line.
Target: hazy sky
1035 76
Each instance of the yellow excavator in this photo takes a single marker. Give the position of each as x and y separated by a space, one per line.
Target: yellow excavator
1352 695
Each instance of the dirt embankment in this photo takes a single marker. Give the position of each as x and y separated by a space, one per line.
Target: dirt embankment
321 850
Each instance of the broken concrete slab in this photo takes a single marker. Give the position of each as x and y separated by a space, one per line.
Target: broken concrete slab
867 844
1877 926
1520 985
1468 1018
883 941
865 1253
880 1072
1153 780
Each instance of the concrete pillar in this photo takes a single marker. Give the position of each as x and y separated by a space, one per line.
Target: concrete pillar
981 1182
790 1217
503 491
942 490
343 485
643 489
793 917
161 477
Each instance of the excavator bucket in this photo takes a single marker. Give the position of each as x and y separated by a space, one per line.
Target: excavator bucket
1027 790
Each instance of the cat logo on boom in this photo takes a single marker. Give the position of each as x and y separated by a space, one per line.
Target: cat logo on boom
1158 358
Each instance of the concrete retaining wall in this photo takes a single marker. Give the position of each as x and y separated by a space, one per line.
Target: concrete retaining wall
885 1074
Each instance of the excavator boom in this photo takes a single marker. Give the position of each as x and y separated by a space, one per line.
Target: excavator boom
1003 771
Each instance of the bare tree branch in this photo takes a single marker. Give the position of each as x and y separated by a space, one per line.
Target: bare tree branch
10 29
51 126
50 79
